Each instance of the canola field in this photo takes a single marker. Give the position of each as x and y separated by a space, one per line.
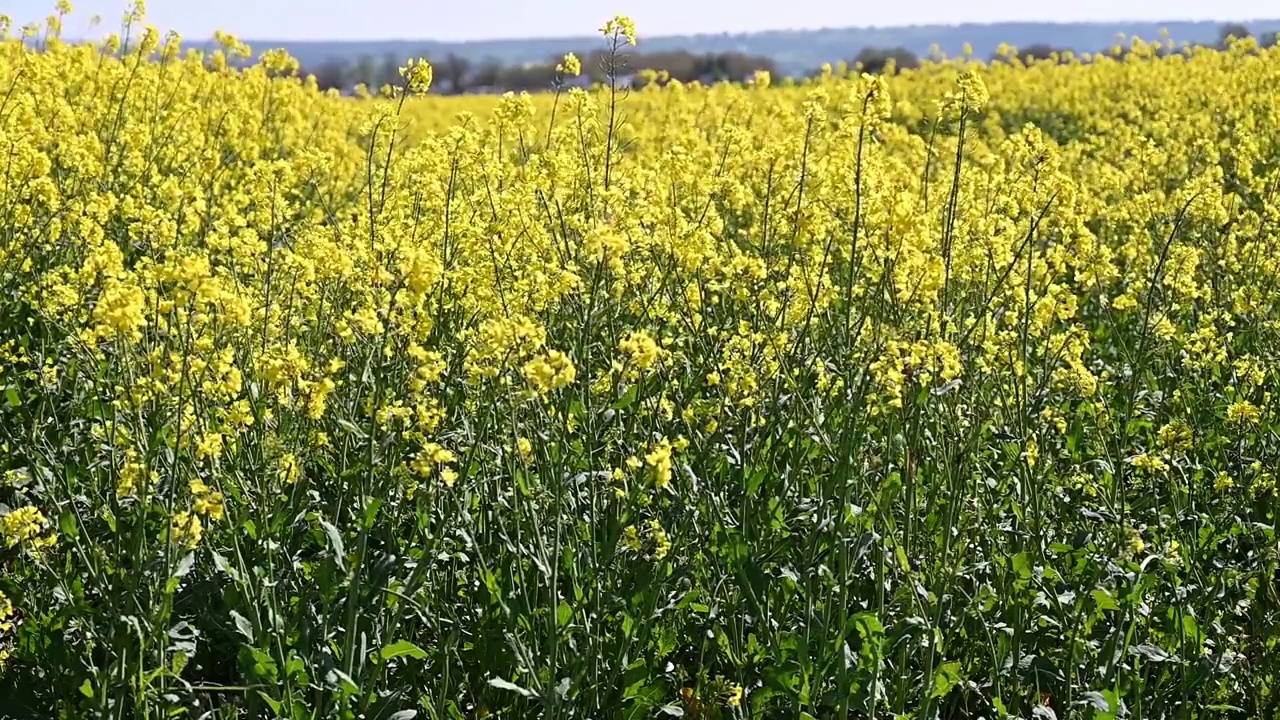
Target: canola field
943 394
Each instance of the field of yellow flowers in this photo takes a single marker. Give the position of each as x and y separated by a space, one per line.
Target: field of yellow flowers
940 394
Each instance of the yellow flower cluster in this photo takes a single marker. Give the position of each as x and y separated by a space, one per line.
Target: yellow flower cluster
652 540
417 76
706 319
620 26
7 613
25 527
206 502
570 66
185 529
434 459
549 372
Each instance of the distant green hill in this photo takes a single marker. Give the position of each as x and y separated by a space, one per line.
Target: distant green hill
795 51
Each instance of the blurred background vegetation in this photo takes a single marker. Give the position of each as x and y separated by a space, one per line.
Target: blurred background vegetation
529 64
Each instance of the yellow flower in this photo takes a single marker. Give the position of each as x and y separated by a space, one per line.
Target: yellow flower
973 91
1054 417
643 351
631 538
1176 435
185 530
1243 412
207 501
6 609
317 397
239 415
733 696
661 543
659 461
417 76
550 372
652 541
290 469
22 526
570 66
1032 453
1148 462
7 613
209 446
432 458
121 311
620 25
1125 301
279 61
130 475
438 454
1136 544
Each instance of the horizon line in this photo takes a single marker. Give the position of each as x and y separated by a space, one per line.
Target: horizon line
748 33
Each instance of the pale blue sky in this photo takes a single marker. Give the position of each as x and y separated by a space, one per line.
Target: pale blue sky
478 19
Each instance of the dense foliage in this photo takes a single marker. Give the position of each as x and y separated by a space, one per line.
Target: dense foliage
945 394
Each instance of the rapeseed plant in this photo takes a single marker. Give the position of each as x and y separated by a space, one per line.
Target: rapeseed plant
857 395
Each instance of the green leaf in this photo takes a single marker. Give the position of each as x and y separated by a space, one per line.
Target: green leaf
890 488
901 555
179 663
370 516
563 614
272 702
353 429
342 681
68 527
628 398
184 565
401 649
1103 600
946 677
223 566
243 625
506 685
296 669
86 688
1097 701
634 680
11 395
1191 629
1151 652
335 542
1022 566
257 665
1117 708
641 696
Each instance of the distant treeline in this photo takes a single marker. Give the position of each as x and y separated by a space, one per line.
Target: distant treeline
1045 51
455 74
